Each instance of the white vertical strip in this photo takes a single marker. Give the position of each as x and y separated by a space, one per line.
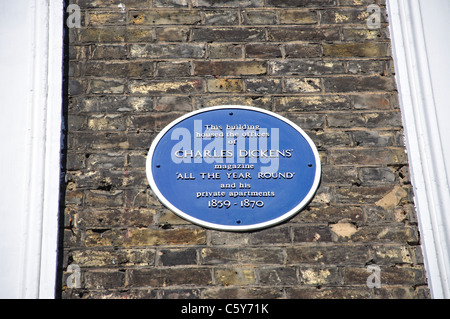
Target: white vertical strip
50 220
42 190
36 155
431 189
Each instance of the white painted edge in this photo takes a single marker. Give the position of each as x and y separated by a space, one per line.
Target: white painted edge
431 189
39 256
203 223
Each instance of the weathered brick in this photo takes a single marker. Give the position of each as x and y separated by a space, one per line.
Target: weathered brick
372 101
224 85
363 34
275 235
173 69
225 51
371 49
367 120
221 17
256 100
366 156
106 18
152 121
112 3
384 234
173 103
169 34
156 237
307 67
229 68
255 17
106 86
114 217
300 50
298 17
218 256
328 293
373 138
243 293
342 175
388 275
329 255
263 85
135 34
170 3
365 67
278 276
312 103
311 234
97 35
236 276
164 17
165 87
106 258
261 255
228 3
392 255
167 51
112 104
104 279
104 198
302 85
107 51
113 122
319 276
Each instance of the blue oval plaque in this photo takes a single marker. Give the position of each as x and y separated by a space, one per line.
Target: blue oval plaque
234 168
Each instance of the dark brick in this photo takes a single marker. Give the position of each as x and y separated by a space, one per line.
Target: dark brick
262 50
278 276
229 68
278 34
104 280
227 3
236 34
301 3
173 257
357 84
311 234
169 276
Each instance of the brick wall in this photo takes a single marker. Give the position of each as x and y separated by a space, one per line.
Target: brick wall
136 65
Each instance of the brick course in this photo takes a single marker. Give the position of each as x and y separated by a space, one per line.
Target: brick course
137 65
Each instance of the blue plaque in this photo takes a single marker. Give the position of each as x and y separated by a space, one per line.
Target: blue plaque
234 168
